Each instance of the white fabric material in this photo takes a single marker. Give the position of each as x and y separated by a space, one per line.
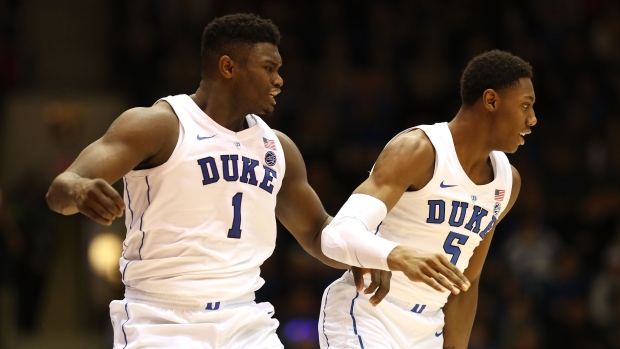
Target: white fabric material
139 326
348 237
180 215
450 215
409 223
181 303
348 320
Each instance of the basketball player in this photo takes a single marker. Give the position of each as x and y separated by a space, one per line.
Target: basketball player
204 179
439 189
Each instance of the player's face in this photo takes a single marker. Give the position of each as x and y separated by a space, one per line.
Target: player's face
515 115
260 81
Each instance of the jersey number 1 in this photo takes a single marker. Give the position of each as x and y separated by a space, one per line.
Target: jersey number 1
235 231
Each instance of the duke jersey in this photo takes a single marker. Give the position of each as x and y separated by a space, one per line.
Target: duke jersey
200 225
450 215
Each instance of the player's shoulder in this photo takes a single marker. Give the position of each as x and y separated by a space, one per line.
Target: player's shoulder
412 142
160 116
156 124
287 143
294 159
415 135
281 135
408 160
516 178
160 111
409 152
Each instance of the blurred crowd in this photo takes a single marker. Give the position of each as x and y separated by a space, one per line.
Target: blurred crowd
355 74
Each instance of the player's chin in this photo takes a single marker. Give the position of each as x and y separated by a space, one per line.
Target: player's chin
267 112
508 148
512 149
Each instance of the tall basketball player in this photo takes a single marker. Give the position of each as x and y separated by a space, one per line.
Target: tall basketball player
439 189
204 179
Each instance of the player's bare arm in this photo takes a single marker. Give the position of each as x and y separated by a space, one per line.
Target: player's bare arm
138 138
300 210
460 310
407 163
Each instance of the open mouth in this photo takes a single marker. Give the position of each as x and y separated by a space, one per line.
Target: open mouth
522 135
272 96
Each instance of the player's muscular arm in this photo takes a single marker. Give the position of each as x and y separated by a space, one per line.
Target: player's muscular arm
138 138
299 208
408 161
301 212
460 310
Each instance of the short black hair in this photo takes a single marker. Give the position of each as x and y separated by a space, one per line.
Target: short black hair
228 34
494 69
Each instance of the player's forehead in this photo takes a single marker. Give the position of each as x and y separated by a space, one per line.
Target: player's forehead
522 90
265 52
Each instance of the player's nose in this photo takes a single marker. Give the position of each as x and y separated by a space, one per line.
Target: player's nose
279 81
532 120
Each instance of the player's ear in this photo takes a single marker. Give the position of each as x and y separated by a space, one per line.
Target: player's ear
490 99
226 65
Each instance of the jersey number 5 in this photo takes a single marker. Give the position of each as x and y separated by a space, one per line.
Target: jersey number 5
235 231
455 251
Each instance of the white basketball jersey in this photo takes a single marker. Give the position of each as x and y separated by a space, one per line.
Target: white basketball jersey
201 224
450 215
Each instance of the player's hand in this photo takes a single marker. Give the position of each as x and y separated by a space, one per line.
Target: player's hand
379 283
98 200
432 269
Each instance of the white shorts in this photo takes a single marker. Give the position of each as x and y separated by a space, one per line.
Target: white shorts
139 324
347 320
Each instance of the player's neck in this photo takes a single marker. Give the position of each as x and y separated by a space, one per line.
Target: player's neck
219 109
471 138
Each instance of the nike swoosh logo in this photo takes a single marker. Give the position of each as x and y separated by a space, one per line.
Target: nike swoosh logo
447 185
201 138
437 334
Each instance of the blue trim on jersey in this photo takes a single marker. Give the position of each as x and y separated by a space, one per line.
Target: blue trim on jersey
126 265
123 326
148 197
128 202
140 249
353 317
148 190
324 315
377 230
142 243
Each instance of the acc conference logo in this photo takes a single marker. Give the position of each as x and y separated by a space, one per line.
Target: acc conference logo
270 158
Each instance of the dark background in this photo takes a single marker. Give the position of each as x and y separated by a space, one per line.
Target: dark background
356 73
